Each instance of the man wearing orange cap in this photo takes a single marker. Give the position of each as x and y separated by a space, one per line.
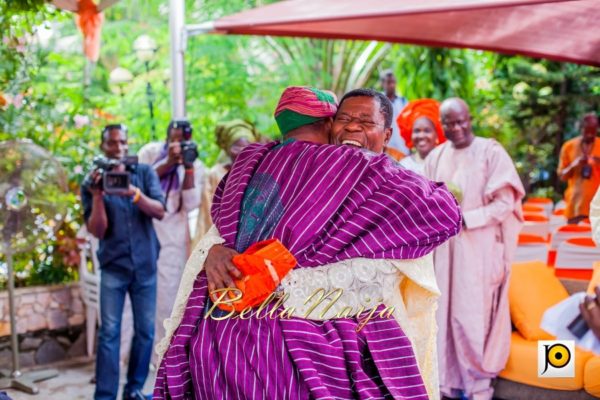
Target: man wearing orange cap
421 129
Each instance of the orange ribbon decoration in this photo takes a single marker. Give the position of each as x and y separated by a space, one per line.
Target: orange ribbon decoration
89 20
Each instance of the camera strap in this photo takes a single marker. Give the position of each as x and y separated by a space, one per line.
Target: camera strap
173 175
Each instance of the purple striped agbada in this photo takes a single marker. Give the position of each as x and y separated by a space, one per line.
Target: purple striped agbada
325 204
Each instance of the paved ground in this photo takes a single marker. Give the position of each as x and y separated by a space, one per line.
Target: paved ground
73 383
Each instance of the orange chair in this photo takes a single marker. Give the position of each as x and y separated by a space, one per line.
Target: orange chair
546 203
565 232
557 218
562 233
575 258
585 221
536 224
561 205
531 248
539 200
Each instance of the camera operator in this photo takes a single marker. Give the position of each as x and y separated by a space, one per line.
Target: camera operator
127 254
181 177
579 166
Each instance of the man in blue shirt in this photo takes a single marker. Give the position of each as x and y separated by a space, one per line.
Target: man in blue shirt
388 84
127 254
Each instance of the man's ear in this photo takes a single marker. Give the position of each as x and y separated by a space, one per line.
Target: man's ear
388 136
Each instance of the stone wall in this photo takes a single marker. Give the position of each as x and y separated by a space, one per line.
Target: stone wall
43 307
45 346
50 323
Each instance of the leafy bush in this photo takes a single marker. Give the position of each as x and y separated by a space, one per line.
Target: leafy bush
50 94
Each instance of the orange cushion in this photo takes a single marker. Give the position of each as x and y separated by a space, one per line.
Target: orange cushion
533 289
522 366
595 281
591 376
577 274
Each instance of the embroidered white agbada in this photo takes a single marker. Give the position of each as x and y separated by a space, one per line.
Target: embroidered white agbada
407 285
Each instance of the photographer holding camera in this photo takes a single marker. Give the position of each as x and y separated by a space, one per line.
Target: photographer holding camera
119 203
579 166
181 177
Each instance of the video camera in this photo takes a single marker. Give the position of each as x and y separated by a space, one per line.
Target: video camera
112 182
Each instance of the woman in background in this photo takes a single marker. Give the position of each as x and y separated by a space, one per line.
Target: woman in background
421 129
232 137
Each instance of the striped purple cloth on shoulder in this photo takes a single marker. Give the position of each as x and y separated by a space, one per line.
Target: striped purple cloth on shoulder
338 203
325 204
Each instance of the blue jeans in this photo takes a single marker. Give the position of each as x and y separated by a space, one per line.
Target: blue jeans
114 285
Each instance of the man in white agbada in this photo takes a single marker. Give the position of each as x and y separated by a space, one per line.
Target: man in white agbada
473 267
181 182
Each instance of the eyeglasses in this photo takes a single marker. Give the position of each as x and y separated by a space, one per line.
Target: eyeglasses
364 123
450 124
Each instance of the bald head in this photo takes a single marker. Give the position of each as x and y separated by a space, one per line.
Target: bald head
456 121
455 104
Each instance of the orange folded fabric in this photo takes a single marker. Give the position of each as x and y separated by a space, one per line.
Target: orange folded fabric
264 265
89 20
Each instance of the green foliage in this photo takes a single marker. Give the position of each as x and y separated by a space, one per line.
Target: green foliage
50 94
540 103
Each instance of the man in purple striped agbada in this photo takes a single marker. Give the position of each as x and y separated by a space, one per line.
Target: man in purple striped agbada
354 220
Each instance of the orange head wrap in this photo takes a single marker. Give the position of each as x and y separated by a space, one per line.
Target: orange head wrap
414 110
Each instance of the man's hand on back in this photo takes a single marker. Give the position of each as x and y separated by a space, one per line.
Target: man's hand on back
219 267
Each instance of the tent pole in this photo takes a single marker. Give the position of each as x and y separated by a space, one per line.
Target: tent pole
178 38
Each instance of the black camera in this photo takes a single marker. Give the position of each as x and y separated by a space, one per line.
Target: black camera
189 152
112 182
586 171
189 149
